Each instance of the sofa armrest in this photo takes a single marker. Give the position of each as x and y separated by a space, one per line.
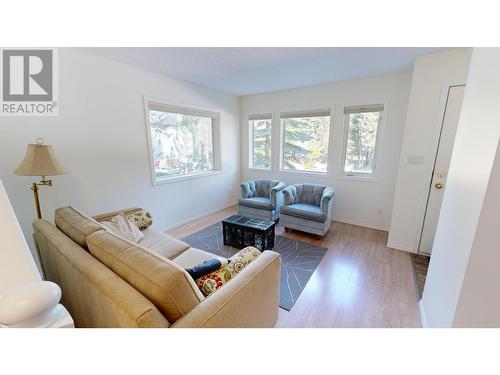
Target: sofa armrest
251 299
245 190
328 194
109 215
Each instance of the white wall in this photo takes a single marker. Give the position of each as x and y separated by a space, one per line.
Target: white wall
100 136
16 264
357 202
471 163
479 301
432 76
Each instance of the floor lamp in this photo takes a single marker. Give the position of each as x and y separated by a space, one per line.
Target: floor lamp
40 161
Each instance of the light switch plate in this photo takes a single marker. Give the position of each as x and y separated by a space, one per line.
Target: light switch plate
415 160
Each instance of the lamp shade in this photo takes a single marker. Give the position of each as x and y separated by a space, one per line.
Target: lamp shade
40 161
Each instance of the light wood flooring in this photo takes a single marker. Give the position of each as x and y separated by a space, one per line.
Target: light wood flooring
360 282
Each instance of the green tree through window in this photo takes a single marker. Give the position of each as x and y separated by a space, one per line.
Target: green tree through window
181 144
261 143
305 144
361 140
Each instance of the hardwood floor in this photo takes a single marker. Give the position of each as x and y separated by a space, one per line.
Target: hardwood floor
359 283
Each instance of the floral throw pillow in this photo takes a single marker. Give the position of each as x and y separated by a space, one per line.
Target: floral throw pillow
141 218
214 280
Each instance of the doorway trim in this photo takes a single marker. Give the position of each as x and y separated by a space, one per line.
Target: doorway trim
436 138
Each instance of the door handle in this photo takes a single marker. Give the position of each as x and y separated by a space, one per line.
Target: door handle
439 185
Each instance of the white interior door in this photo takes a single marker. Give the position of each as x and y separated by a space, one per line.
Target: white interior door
441 165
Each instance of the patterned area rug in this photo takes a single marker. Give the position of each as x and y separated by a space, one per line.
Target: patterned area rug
298 259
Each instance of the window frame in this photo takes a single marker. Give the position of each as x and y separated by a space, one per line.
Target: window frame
161 105
259 116
361 176
306 113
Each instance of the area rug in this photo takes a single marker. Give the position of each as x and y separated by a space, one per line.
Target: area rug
298 259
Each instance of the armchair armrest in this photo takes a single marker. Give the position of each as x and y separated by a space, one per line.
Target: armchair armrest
251 299
245 189
289 195
278 187
276 198
328 194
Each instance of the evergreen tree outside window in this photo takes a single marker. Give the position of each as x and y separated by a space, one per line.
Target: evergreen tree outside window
181 141
305 141
261 142
360 147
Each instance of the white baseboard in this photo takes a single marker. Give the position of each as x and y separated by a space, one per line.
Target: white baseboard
422 314
393 245
199 216
346 221
360 224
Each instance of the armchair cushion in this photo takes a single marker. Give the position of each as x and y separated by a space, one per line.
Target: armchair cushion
257 202
308 194
305 211
260 188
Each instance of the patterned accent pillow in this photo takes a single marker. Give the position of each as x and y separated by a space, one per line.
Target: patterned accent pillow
141 218
214 280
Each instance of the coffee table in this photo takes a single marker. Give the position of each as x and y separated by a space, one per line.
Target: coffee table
240 232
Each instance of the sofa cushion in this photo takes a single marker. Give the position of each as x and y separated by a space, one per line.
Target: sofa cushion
257 202
305 211
76 225
163 282
124 228
193 256
215 280
162 243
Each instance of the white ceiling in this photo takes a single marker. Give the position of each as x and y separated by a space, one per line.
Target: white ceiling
245 71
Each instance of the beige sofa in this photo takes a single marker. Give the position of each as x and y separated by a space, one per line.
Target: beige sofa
107 281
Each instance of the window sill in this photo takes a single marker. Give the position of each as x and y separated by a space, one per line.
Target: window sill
169 180
260 169
305 173
370 178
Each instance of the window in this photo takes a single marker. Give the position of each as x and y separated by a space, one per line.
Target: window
362 125
305 141
261 142
182 141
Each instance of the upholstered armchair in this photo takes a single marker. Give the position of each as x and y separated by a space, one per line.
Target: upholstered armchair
307 207
261 199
